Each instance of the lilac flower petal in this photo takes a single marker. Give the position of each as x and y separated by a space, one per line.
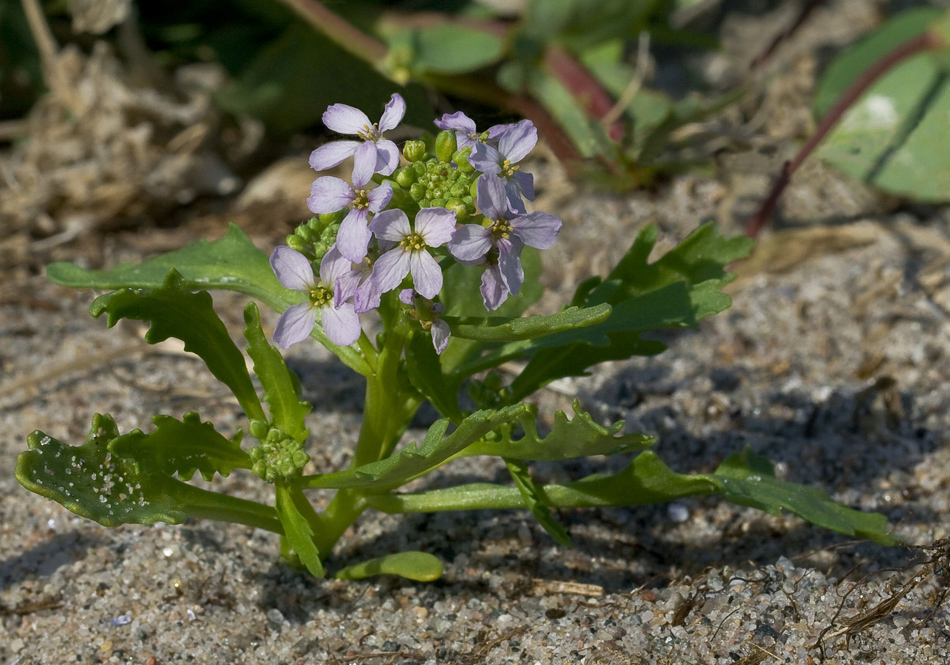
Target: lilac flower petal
329 194
332 154
333 266
392 225
440 335
426 274
539 229
471 242
493 289
390 269
292 268
435 225
387 156
524 182
364 164
492 199
380 196
496 131
485 158
367 297
509 264
457 121
393 113
345 119
406 296
342 325
353 237
518 141
345 287
294 325
513 197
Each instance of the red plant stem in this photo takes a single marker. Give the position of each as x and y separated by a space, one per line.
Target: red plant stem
584 87
335 28
927 41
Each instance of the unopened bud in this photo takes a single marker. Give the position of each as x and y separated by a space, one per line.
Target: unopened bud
414 150
445 145
405 177
460 157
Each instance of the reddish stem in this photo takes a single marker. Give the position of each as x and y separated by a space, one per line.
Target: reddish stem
927 41
582 85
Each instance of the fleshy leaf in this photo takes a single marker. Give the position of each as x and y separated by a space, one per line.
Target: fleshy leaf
415 460
442 49
500 330
749 479
183 447
416 566
287 411
536 501
174 311
579 436
92 482
295 513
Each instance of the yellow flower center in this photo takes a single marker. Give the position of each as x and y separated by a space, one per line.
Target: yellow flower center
413 243
508 169
501 229
370 133
321 296
361 200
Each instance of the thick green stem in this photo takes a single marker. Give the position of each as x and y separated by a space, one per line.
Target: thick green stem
205 504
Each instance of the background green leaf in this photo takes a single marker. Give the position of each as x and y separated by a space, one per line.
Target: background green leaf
894 137
416 566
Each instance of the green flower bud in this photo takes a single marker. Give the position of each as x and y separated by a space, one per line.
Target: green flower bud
299 244
304 232
457 206
460 157
405 177
473 190
258 429
328 218
436 203
414 150
445 145
458 190
417 191
419 168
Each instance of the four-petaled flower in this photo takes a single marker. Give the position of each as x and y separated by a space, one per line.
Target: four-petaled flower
329 194
465 133
340 320
374 154
513 146
428 314
434 228
500 240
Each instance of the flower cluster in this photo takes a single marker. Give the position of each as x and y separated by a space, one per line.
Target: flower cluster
458 198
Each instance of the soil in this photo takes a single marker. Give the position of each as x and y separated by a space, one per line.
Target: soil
832 362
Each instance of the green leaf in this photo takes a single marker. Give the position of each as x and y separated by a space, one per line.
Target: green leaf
748 479
444 49
675 291
579 436
287 411
414 460
461 296
416 566
232 263
183 447
295 514
92 482
536 501
894 136
425 373
496 329
173 311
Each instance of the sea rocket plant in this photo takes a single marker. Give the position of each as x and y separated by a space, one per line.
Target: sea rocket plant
412 250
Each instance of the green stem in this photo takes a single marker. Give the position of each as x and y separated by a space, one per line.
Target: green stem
486 496
208 505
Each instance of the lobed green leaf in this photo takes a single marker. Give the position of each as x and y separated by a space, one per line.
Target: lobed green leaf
496 329
579 436
536 501
297 517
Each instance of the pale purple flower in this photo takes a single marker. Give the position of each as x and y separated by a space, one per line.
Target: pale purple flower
339 319
433 228
465 133
513 146
373 154
329 194
500 243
